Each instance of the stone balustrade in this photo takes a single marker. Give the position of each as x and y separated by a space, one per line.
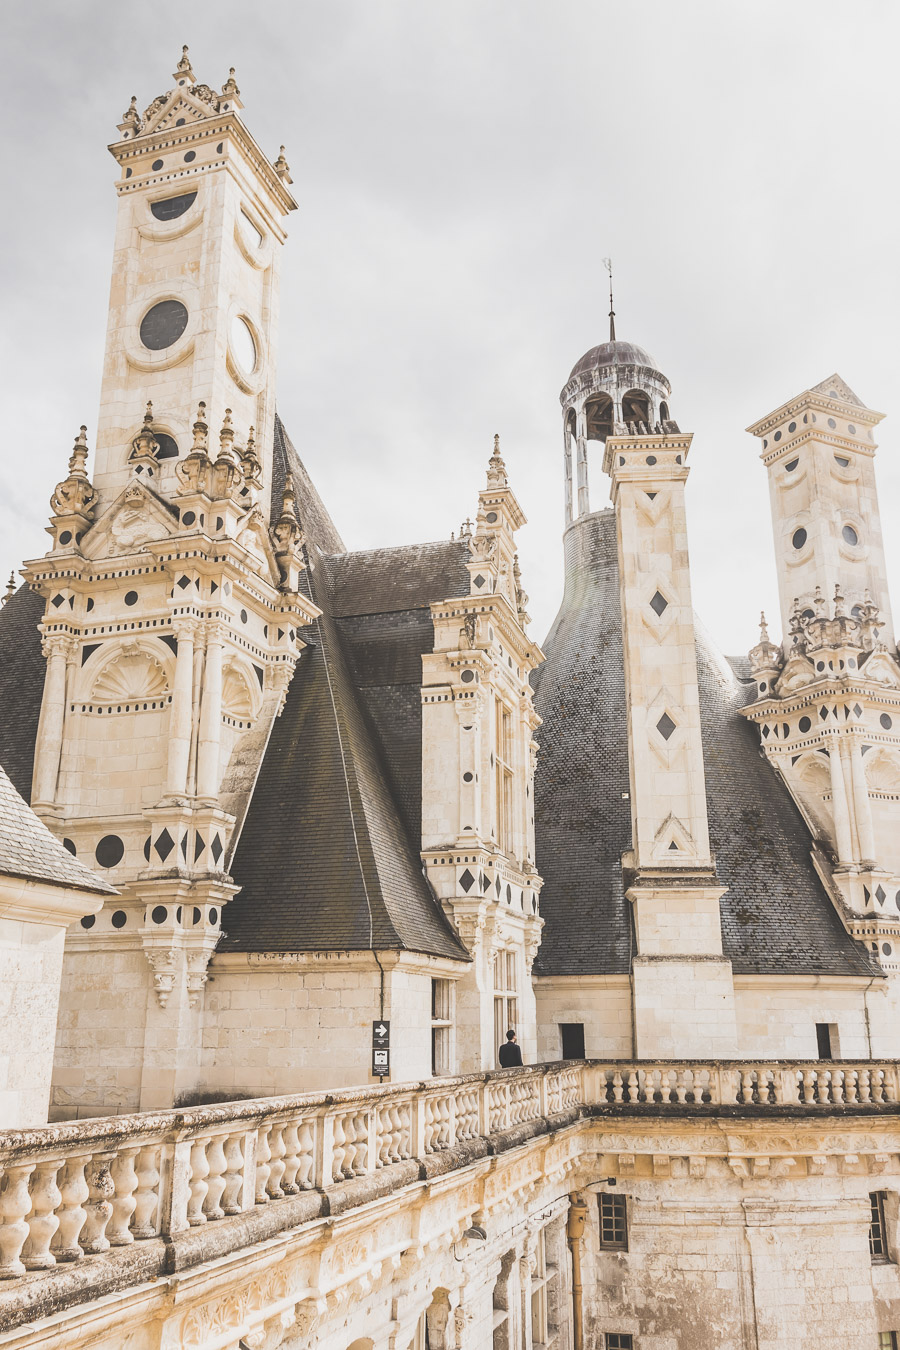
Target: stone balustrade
74 1190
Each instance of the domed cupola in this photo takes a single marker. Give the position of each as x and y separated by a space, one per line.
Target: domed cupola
616 388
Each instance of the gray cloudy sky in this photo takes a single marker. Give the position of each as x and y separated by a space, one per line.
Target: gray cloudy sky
462 167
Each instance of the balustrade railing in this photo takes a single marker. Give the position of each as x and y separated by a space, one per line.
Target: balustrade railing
69 1191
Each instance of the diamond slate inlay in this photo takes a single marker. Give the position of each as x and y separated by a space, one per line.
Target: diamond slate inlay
467 881
479 580
216 848
659 603
665 726
164 844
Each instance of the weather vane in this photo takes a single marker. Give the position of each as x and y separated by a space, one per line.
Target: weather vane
607 263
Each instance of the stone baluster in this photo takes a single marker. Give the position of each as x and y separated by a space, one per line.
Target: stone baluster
746 1086
43 1220
618 1089
276 1166
864 1084
632 1087
338 1151
234 1175
850 1077
809 1080
198 1186
262 1166
101 1189
146 1207
291 1158
838 1079
683 1080
307 1156
429 1125
15 1203
215 1182
822 1077
72 1214
125 1181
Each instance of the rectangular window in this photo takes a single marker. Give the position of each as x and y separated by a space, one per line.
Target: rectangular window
887 1340
572 1034
619 1340
613 1222
441 1024
540 1326
823 1039
506 1001
878 1248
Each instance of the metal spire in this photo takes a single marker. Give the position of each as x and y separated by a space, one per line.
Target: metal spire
607 263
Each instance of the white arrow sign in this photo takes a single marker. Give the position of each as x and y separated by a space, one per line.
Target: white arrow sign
381 1030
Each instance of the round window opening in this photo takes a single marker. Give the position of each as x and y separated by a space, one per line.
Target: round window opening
243 343
849 534
163 325
799 538
886 721
110 851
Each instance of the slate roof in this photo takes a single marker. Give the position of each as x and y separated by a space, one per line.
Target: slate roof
22 670
28 849
328 858
776 916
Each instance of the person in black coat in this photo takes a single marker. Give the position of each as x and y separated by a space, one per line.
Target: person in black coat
509 1054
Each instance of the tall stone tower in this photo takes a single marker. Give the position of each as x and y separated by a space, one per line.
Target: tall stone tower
683 992
478 723
172 591
828 698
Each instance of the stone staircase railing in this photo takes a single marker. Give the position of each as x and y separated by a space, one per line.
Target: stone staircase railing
69 1191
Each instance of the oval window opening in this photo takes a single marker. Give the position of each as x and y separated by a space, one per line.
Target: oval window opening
850 535
163 325
243 344
170 208
799 538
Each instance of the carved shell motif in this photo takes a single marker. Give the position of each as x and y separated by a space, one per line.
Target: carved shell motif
236 700
130 678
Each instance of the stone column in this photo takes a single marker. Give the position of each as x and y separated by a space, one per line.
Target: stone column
180 719
567 462
861 804
53 716
210 718
584 504
842 833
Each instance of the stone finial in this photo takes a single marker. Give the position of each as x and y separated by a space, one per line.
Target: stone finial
766 657
286 531
201 431
226 437
131 122
496 475
229 88
193 471
10 589
183 70
840 611
465 529
521 597
75 495
145 444
819 603
250 462
282 167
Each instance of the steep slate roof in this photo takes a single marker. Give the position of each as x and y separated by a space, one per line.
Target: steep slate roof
776 916
325 860
21 685
28 849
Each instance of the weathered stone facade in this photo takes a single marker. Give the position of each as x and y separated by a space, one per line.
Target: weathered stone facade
323 789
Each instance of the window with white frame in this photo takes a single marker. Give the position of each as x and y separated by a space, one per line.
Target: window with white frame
441 1026
506 995
887 1340
545 1294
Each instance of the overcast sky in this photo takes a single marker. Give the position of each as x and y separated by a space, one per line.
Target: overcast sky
462 168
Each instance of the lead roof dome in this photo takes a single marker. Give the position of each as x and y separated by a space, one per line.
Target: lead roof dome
614 354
